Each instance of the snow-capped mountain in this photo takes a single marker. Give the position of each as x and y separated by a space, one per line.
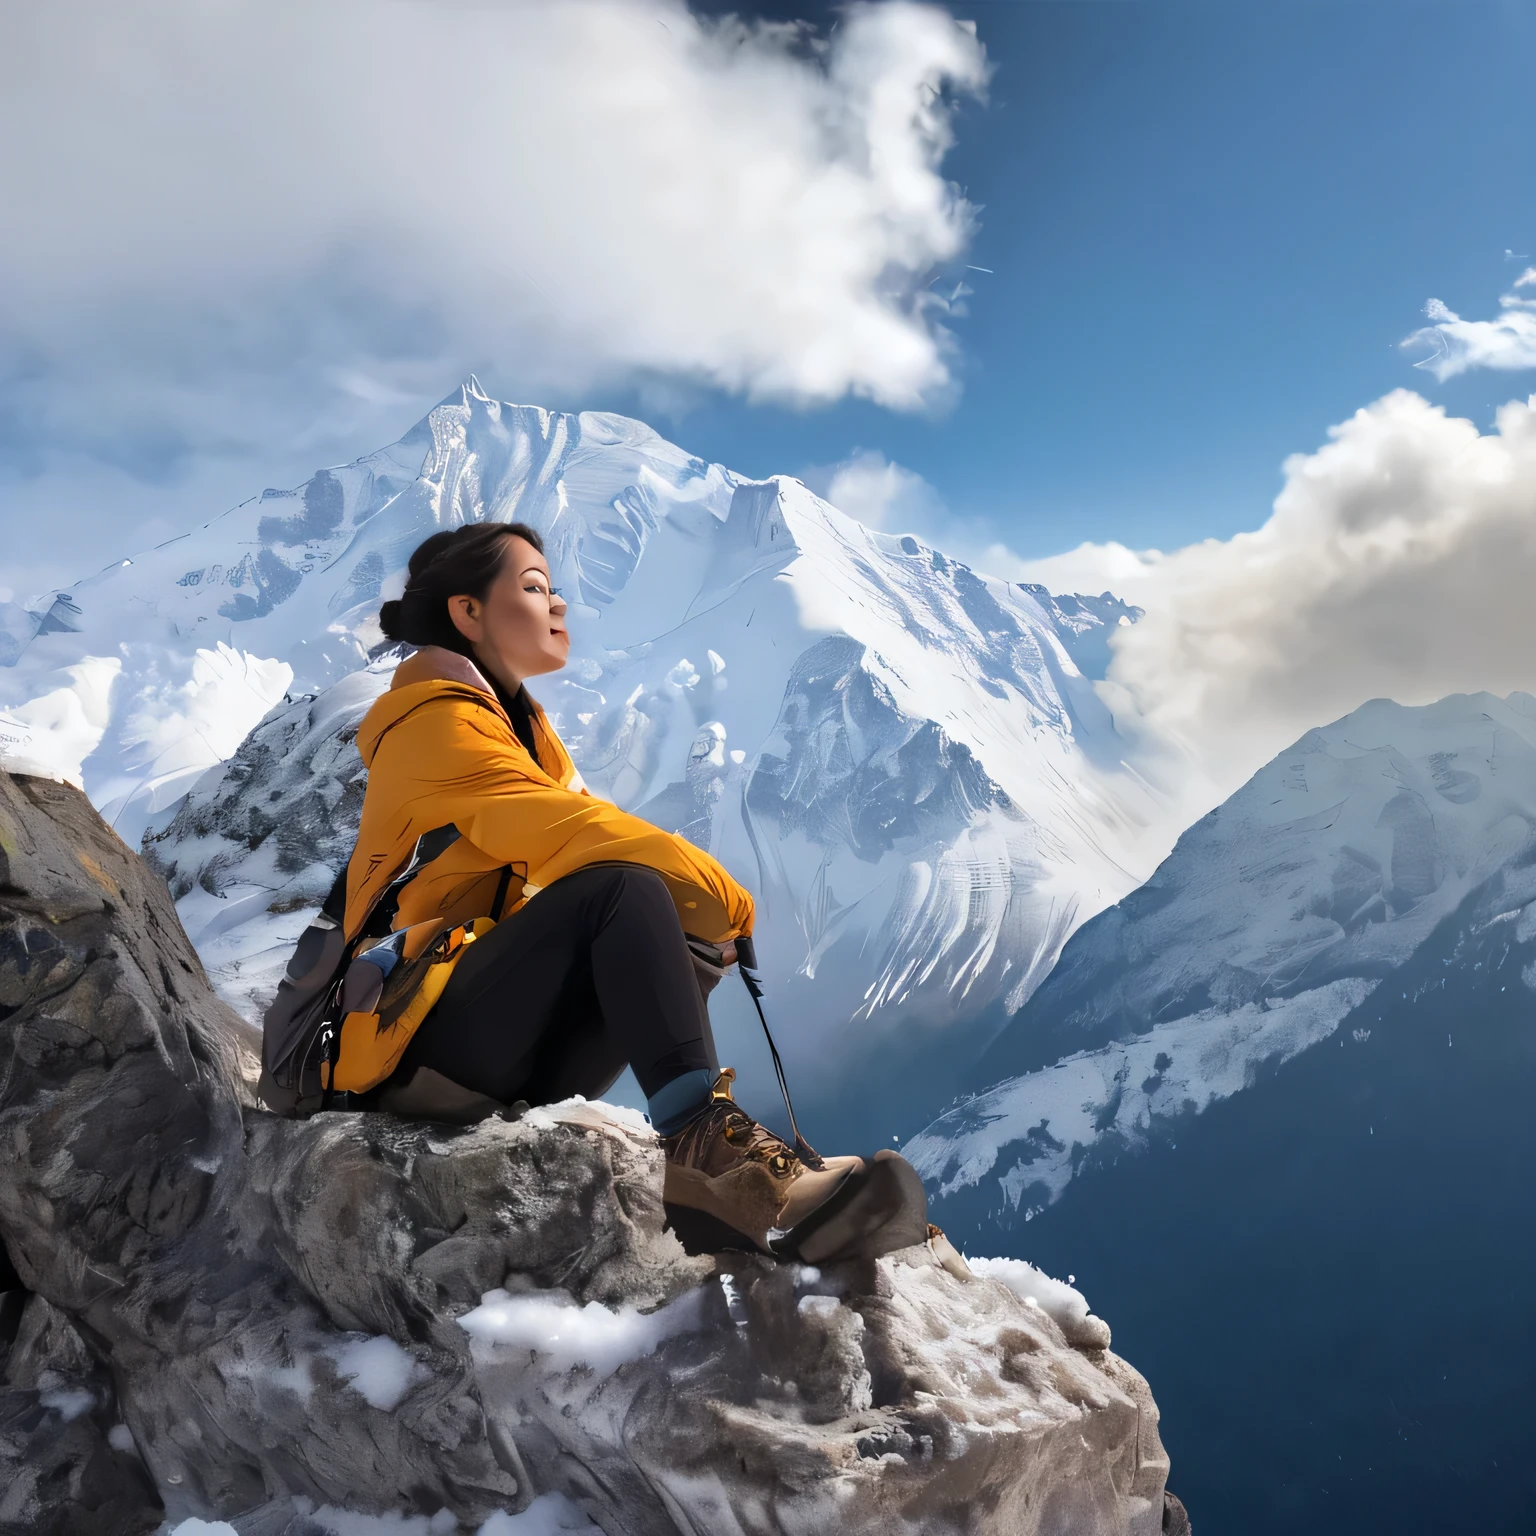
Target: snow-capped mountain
904 759
1274 918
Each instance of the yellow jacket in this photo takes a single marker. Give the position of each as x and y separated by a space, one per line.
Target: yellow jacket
439 749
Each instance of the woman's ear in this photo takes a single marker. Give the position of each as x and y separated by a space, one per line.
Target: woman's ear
465 613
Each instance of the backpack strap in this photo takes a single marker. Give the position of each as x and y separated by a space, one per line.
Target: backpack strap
335 905
503 885
381 915
377 922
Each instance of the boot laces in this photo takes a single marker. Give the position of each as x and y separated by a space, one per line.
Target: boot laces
757 1142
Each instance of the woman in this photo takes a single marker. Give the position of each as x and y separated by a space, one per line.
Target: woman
590 968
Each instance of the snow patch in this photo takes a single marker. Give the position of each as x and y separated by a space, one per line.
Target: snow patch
1064 1304
566 1335
379 1369
549 1515
53 733
68 1402
346 1522
1178 1068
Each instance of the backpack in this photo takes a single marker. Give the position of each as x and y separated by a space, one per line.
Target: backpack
369 994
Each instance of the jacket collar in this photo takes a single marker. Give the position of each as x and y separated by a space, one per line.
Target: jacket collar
437 664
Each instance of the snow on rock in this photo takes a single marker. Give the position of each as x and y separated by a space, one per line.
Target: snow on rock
304 1326
905 759
1272 920
564 1335
67 1468
377 1369
1064 1304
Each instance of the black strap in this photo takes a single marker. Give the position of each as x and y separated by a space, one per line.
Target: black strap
503 885
746 963
429 846
335 905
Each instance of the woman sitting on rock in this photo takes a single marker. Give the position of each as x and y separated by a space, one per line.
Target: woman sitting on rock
589 966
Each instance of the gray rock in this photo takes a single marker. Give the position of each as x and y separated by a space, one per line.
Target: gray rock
63 1470
363 1312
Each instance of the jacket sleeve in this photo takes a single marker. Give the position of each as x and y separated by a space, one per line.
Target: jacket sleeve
467 769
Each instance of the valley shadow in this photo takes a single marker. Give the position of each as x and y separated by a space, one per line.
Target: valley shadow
1328 1278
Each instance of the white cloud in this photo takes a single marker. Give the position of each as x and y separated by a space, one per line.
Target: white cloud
1507 343
261 231
614 183
1090 569
878 493
1399 562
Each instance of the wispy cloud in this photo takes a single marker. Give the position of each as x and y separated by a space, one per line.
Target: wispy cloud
1454 346
879 493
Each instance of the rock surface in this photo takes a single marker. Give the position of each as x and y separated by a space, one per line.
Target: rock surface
240 1314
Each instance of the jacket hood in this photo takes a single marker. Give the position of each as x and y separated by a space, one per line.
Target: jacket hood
436 664
428 674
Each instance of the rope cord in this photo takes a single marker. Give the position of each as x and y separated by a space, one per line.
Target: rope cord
803 1149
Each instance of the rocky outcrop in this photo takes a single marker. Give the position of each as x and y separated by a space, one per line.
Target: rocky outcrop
239 1317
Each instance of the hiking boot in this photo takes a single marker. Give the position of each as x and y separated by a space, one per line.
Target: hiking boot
732 1185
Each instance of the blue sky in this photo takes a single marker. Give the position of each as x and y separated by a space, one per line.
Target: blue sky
1210 227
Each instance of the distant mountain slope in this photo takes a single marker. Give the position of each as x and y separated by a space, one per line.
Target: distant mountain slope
1349 1236
1275 916
899 755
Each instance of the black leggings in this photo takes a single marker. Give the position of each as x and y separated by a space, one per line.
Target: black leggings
591 975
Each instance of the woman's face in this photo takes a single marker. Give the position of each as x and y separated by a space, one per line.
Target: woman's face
518 628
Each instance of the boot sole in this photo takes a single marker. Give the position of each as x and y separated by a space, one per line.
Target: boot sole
702 1234
873 1213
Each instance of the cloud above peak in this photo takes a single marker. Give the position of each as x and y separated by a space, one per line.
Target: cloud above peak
203 196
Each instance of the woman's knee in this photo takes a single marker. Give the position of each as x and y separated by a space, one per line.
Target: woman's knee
638 884
622 885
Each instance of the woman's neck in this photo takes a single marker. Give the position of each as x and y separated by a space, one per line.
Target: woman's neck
499 674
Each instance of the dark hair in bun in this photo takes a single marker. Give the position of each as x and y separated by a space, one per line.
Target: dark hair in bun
454 563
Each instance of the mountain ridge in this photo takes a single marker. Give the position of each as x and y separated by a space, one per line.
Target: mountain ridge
901 756
1275 916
